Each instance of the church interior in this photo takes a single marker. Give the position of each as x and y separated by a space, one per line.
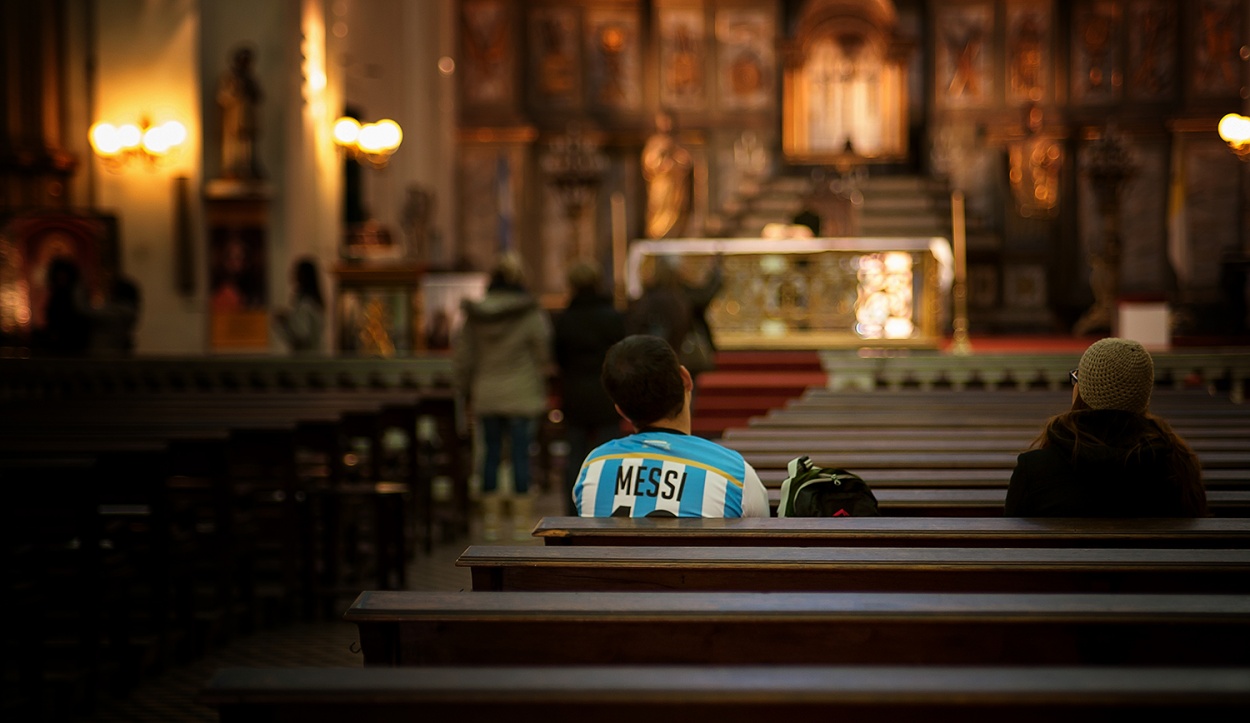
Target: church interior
911 202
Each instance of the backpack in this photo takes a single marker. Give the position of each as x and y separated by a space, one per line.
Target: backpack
811 491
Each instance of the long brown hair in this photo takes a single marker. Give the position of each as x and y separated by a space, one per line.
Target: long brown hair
1085 427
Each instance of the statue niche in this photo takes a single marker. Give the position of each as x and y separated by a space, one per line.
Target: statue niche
845 95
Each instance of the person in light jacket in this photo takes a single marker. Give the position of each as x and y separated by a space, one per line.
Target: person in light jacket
501 356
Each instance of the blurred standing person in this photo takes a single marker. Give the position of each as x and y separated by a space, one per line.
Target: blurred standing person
113 323
303 325
501 355
675 310
67 321
584 332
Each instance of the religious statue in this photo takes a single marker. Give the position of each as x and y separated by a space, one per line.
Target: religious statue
667 168
239 96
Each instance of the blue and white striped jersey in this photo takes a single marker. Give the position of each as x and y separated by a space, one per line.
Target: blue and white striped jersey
661 473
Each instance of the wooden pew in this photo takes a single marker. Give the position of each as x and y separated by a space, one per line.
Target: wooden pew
831 628
903 477
672 694
922 502
1211 532
895 569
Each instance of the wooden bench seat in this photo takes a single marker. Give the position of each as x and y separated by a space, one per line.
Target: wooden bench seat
924 434
831 628
899 569
969 442
929 502
1230 479
965 418
1212 532
672 694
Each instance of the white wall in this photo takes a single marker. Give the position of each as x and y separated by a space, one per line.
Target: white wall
389 60
163 58
147 65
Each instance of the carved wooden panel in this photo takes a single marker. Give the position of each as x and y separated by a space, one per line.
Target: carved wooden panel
683 57
1216 46
1029 62
963 48
555 57
613 49
488 54
746 64
1097 76
1153 27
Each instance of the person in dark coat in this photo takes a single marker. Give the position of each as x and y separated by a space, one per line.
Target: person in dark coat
1108 456
675 310
584 332
67 319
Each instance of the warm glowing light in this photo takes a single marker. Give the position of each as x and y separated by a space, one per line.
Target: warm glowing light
346 131
883 308
118 144
160 139
1235 130
371 143
104 139
130 136
446 65
384 135
897 262
896 328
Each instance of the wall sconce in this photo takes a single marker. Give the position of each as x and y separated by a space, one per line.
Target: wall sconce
118 145
370 144
1235 130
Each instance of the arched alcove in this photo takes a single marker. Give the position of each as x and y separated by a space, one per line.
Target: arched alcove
845 93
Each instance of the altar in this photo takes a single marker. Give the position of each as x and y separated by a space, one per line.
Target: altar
815 293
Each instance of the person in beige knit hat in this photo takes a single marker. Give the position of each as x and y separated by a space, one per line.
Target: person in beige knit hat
1108 456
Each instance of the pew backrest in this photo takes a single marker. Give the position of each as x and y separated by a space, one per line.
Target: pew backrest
673 694
1212 532
931 628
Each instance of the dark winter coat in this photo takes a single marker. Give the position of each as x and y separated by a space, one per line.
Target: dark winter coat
584 331
1121 477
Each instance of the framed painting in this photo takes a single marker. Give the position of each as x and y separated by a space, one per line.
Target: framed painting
614 58
746 63
1097 76
376 320
555 57
238 288
1152 32
488 54
29 243
963 46
1216 60
1030 61
683 58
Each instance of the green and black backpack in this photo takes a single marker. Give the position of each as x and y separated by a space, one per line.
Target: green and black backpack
811 491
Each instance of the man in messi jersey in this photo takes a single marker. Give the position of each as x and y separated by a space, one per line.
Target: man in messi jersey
661 470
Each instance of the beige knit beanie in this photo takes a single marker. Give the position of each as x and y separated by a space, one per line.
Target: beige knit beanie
1116 374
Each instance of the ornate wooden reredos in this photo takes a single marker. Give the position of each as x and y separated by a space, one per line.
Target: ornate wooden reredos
845 85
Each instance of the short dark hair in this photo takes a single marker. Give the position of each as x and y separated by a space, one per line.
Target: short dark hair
643 376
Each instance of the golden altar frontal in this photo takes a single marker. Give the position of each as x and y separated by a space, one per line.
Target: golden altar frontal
814 293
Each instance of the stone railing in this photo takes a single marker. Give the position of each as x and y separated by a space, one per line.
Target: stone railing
1219 369
57 378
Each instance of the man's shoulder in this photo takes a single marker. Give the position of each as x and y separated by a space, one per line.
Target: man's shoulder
683 446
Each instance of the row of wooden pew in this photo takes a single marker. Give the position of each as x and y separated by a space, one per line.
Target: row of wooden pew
143 527
930 617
